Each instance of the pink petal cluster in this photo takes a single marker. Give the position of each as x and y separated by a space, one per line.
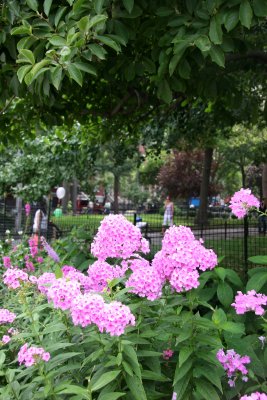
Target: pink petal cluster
72 273
6 339
252 301
242 201
254 396
146 282
33 245
6 316
167 354
27 208
13 277
45 281
119 238
7 262
100 273
62 292
32 355
233 363
181 257
90 309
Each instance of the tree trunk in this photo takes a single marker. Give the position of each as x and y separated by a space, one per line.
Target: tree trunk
66 198
18 213
74 193
202 216
116 193
264 181
243 174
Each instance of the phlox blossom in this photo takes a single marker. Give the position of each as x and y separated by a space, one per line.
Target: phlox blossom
251 301
254 396
72 273
87 309
167 354
33 245
119 238
13 277
45 281
27 208
100 272
62 292
116 318
6 339
50 251
233 363
32 355
7 262
242 201
6 316
146 282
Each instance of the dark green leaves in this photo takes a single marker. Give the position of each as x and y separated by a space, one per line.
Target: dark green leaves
75 73
217 55
215 32
47 6
164 91
128 4
104 379
260 8
245 13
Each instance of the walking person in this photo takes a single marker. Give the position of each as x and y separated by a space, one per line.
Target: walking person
40 222
168 214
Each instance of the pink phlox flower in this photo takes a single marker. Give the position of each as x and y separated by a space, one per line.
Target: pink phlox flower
32 355
33 245
254 396
62 292
167 354
242 201
116 317
40 260
13 277
87 309
100 273
45 281
135 263
174 396
29 266
27 208
233 363
146 282
118 238
6 316
6 339
6 261
72 273
252 301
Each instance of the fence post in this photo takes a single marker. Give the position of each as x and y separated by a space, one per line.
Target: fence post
134 219
245 247
225 230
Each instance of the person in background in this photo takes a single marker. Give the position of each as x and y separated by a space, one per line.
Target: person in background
40 222
262 217
168 214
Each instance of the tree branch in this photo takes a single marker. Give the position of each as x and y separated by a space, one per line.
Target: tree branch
257 56
7 105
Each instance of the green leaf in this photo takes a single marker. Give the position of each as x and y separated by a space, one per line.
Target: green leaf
260 8
59 14
57 41
206 390
181 386
210 373
22 71
75 74
98 6
86 68
136 387
32 4
217 55
175 60
127 368
233 327
257 281
111 396
104 379
130 352
203 43
74 389
97 19
233 277
220 272
37 70
180 372
26 56
225 294
128 4
219 316
258 260
245 13
109 42
184 69
215 31
98 51
231 19
154 376
164 91
56 75
2 357
21 30
47 6
184 354
51 328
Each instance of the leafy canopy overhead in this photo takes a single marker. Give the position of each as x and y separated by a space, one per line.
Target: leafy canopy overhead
174 46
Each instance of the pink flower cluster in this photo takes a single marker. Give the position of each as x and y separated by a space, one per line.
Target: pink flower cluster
252 301
6 316
62 292
6 339
233 363
33 245
72 273
119 238
13 277
254 396
167 354
145 280
32 355
100 273
112 317
44 282
7 262
27 208
242 201
181 257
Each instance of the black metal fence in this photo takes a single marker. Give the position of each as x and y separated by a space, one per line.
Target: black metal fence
235 240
